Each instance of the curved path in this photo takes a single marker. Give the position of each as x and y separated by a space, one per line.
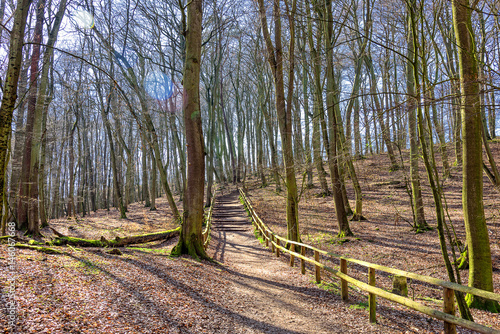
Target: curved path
275 298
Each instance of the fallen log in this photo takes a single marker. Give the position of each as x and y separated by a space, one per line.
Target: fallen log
5 238
117 242
46 250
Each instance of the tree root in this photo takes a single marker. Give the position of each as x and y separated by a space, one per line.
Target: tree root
357 217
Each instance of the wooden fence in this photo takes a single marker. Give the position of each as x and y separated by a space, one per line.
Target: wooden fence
278 244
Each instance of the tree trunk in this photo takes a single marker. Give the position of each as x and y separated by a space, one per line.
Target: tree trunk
480 265
41 110
271 142
191 240
492 119
374 91
10 83
28 195
154 171
116 180
413 90
19 138
317 101
144 160
343 223
307 133
283 110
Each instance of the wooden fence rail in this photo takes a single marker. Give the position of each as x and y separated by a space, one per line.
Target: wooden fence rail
447 315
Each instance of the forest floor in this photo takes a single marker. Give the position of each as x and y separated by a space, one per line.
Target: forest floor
247 289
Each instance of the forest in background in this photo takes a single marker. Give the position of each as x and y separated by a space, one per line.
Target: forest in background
289 92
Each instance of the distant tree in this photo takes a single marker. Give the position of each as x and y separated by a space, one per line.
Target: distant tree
333 161
413 90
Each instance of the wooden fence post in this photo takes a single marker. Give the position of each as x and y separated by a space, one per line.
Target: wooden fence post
372 303
318 274
343 282
292 258
400 285
267 239
272 243
449 307
277 247
302 261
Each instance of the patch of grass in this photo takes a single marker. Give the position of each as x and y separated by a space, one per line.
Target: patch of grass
429 299
341 241
359 306
327 286
257 235
321 237
35 243
150 250
87 266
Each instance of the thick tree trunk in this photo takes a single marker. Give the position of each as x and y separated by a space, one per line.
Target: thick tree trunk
191 240
10 89
28 196
480 265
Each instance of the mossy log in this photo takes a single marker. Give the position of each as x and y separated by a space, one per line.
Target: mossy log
117 242
144 238
5 239
46 250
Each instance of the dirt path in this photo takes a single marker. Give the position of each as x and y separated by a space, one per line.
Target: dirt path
275 298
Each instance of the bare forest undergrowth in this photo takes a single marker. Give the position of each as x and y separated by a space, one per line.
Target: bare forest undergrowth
88 290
